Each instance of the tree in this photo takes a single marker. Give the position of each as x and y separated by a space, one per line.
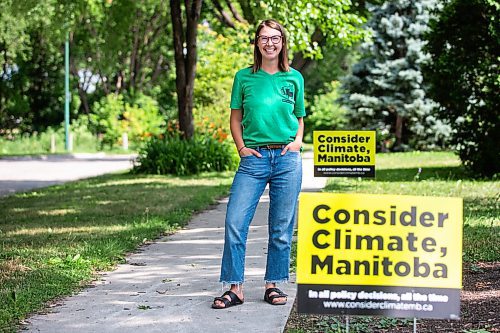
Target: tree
122 45
184 38
313 25
27 66
464 44
325 113
223 16
310 25
386 91
322 89
116 47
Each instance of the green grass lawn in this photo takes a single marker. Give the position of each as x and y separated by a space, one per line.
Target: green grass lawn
52 241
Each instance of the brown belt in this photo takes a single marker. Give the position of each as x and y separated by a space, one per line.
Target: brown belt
272 147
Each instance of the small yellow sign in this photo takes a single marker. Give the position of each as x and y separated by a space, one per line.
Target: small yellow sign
344 153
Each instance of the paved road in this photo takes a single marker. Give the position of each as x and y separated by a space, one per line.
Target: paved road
18 174
168 286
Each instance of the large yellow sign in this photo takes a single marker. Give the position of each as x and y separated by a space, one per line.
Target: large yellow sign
380 240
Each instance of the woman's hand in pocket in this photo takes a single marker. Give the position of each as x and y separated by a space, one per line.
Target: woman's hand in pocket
249 151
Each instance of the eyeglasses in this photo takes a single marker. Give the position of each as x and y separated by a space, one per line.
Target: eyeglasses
274 39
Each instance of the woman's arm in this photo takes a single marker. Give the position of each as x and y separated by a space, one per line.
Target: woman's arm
297 143
237 133
235 126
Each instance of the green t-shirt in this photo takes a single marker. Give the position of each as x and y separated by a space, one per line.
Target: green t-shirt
271 104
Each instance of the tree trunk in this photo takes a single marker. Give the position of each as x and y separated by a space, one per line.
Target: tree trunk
81 92
235 13
134 55
399 130
185 63
299 62
247 11
74 71
157 69
119 83
222 15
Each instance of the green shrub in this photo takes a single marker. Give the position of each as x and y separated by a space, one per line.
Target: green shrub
83 139
174 155
214 78
115 114
105 118
325 112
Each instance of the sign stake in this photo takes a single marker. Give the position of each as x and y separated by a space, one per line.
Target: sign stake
347 324
414 325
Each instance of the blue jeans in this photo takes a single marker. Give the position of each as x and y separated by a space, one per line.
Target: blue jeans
284 175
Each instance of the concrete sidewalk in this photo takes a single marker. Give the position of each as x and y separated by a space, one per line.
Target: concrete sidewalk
169 286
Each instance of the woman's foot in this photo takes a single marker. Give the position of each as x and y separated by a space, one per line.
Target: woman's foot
233 296
274 295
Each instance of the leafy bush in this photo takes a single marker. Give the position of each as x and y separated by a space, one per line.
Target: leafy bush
214 78
83 139
106 118
114 115
326 112
174 155
142 118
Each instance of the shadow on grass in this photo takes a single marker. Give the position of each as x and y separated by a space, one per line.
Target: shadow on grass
431 173
401 175
125 206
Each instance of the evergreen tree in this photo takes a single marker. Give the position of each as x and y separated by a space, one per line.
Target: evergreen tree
386 91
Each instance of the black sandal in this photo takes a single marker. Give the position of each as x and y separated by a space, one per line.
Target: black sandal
235 300
269 298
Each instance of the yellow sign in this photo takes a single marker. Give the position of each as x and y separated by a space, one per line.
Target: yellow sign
344 153
382 240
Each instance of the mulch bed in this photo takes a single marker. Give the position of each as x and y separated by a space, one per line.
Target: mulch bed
480 309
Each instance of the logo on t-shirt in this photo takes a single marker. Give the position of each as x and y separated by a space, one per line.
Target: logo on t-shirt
288 92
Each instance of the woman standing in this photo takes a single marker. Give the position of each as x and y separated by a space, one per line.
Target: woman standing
267 110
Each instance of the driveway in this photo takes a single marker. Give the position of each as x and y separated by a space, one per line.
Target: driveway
19 174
